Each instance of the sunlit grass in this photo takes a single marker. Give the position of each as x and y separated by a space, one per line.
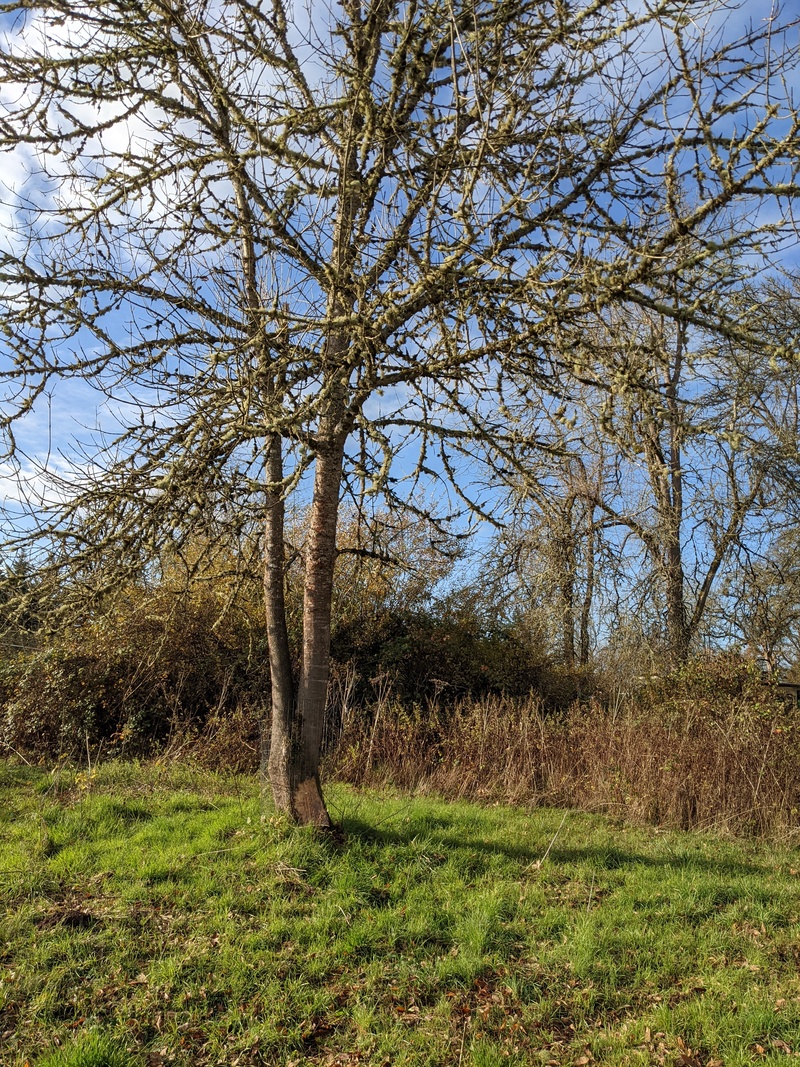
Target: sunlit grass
162 916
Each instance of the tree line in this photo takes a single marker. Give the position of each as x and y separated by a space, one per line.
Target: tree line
669 504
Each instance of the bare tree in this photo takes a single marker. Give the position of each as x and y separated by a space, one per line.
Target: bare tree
677 453
548 551
705 434
280 240
759 604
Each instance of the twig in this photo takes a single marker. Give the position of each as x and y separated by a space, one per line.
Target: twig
461 1050
537 864
18 754
218 851
392 815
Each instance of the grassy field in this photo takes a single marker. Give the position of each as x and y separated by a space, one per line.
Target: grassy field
163 916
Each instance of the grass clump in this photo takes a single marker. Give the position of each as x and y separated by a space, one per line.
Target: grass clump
160 916
89 1050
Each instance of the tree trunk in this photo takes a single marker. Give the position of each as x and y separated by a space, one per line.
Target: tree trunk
677 621
294 770
313 691
567 566
568 620
588 594
280 662
677 629
297 724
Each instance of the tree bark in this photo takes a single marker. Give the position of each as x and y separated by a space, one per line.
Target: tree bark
297 722
307 804
280 661
588 593
677 629
566 563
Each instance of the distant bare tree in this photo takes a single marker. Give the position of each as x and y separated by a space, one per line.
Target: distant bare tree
705 434
550 549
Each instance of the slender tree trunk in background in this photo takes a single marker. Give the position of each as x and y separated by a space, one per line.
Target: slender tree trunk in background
568 619
667 549
588 594
677 629
663 448
566 552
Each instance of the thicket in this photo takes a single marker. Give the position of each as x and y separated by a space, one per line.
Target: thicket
150 670
179 659
442 695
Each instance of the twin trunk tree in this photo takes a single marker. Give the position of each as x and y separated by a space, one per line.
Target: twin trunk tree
279 248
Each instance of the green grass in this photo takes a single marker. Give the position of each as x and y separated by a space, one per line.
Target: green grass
155 916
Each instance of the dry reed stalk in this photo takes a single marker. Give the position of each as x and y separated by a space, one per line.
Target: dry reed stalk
732 766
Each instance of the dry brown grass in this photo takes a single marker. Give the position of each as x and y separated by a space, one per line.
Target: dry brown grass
732 766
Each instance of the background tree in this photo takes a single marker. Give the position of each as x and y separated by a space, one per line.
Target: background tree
280 244
19 610
694 431
758 604
689 488
549 553
718 457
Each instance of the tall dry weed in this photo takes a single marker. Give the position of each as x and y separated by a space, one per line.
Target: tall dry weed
730 764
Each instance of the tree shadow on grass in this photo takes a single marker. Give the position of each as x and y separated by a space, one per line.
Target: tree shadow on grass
443 833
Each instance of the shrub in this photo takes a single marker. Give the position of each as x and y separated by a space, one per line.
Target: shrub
152 666
455 647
